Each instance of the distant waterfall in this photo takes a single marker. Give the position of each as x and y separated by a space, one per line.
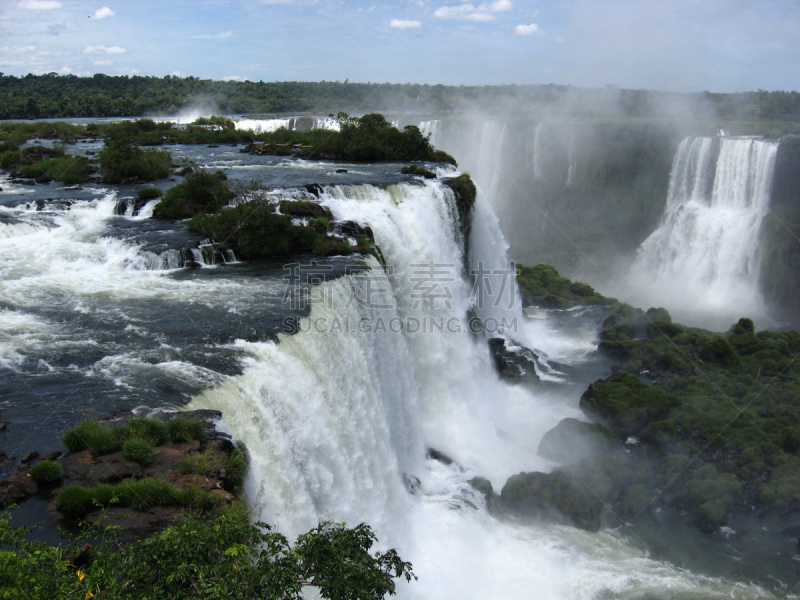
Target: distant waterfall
292 124
538 153
431 128
704 256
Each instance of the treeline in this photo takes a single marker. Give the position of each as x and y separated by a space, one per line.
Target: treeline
66 96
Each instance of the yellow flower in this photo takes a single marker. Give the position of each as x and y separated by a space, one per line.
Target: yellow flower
80 575
89 595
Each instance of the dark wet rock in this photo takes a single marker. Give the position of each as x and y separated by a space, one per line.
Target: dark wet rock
3 426
313 188
44 178
560 495
515 363
29 456
84 468
435 454
341 170
192 264
352 229
213 146
16 488
572 440
484 486
127 518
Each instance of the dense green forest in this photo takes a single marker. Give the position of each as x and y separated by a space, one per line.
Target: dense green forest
59 96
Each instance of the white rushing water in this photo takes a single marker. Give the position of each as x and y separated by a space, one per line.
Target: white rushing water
703 261
291 123
338 416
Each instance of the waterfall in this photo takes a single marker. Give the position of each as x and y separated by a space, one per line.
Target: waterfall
431 128
538 153
337 417
292 124
571 160
704 257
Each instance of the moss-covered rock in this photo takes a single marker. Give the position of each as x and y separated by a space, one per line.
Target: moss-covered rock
466 193
200 193
572 440
560 494
625 403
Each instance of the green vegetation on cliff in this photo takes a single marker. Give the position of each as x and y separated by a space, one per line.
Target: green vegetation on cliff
721 421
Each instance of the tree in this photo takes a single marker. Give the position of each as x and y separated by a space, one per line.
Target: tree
205 558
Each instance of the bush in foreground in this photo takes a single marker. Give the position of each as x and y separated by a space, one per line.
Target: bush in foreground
47 470
206 557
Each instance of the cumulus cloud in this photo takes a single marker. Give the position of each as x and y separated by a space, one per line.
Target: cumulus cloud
400 24
103 63
39 5
529 29
468 11
103 13
104 50
233 78
223 35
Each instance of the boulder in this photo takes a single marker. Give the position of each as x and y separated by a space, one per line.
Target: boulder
624 403
17 487
83 468
572 440
29 456
560 495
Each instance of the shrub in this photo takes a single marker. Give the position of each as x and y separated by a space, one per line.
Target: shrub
92 435
144 494
200 193
149 429
236 466
74 502
149 193
139 450
195 498
121 160
46 470
186 429
195 464
252 231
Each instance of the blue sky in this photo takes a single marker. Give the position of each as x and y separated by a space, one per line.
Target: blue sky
679 45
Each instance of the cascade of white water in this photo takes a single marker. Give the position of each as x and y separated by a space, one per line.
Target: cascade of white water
337 418
431 128
703 259
571 160
538 153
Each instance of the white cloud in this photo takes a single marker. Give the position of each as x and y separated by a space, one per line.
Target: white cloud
103 13
528 29
39 5
468 11
104 50
498 6
223 35
103 63
400 24
233 78
65 70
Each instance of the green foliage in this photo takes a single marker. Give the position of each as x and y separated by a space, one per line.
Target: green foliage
304 208
236 467
92 435
46 470
201 192
205 557
418 170
122 161
196 463
465 192
139 450
542 286
625 403
370 138
153 431
149 193
251 230
186 429
74 502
